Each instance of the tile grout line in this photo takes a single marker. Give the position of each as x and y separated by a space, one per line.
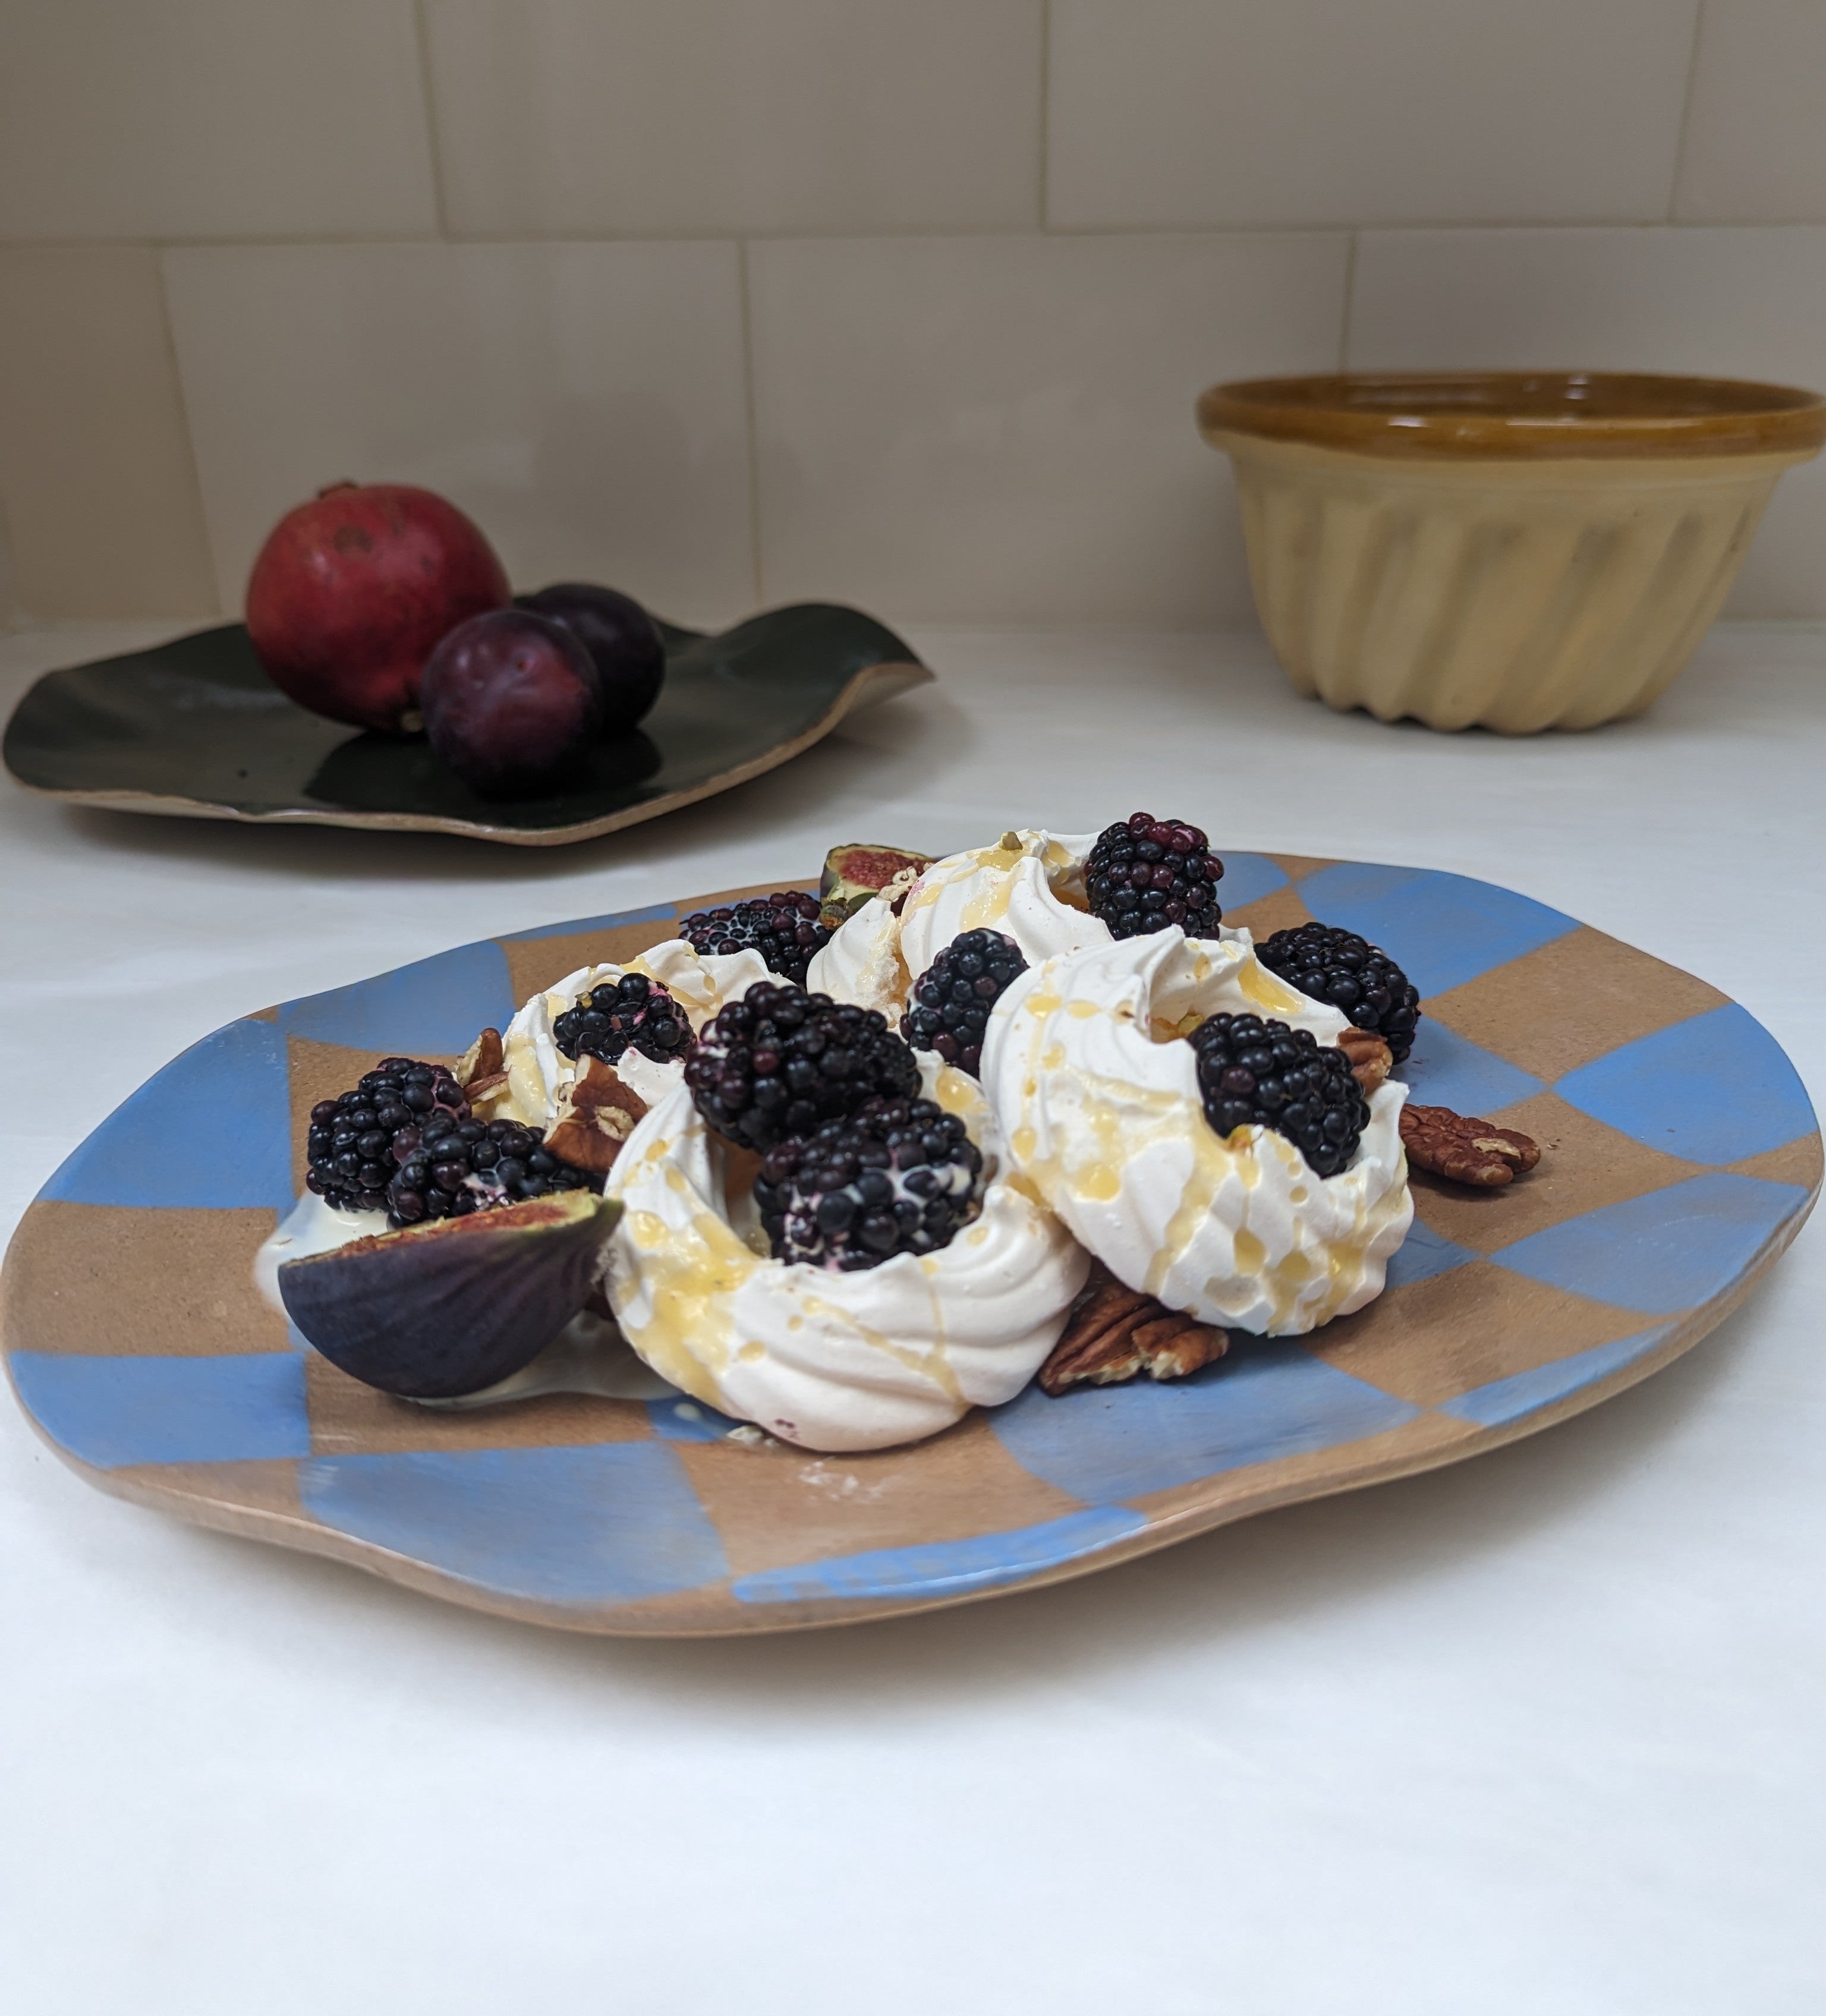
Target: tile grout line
256 241
421 39
748 410
191 465
12 617
1673 193
1350 296
1046 114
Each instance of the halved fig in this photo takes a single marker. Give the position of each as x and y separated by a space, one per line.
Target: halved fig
856 871
451 1306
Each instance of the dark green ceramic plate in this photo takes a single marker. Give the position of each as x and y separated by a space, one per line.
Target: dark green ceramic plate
196 729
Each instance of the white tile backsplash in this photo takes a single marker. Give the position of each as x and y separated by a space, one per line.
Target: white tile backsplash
97 497
1004 425
1183 112
1755 148
903 302
569 117
584 403
212 119
1734 303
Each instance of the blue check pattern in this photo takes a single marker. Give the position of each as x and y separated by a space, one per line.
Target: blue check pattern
1691 1155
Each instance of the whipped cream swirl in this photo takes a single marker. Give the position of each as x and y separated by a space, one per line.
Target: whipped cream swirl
861 964
1029 886
827 1360
538 1073
1100 1106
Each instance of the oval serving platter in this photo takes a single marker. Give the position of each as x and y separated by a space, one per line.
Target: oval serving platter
195 728
1682 1156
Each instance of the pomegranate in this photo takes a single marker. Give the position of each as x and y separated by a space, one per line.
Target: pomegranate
351 592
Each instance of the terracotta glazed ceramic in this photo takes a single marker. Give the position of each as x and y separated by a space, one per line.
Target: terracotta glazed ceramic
1512 550
1681 1157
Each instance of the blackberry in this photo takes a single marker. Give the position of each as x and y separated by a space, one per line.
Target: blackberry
783 928
781 1061
1254 1071
1334 965
350 1145
895 1176
1147 874
632 1013
404 1142
450 1167
952 998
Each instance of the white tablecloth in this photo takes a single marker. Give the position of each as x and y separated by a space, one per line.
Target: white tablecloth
1540 1732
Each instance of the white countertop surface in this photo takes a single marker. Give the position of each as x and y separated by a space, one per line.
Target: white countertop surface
1540 1732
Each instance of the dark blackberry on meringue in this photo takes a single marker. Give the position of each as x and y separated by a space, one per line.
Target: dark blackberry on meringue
1332 964
404 1141
952 999
1147 874
450 1167
350 1148
632 1013
1253 1071
783 928
895 1176
781 1061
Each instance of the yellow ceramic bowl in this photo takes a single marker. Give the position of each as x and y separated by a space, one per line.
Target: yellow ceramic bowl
1508 550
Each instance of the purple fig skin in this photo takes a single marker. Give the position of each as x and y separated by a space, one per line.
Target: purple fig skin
511 702
623 640
451 1305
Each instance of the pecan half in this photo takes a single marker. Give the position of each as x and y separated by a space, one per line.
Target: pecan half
1115 1333
1371 1058
486 1094
595 1117
1465 1150
740 1166
483 1058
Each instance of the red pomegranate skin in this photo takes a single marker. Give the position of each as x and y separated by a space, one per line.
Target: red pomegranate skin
352 591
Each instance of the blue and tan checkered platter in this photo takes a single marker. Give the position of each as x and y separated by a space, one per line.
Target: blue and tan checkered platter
1682 1156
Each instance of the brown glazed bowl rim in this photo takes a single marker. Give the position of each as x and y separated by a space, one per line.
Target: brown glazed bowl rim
1519 414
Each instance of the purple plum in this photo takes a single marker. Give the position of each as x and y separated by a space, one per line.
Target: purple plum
623 640
511 702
